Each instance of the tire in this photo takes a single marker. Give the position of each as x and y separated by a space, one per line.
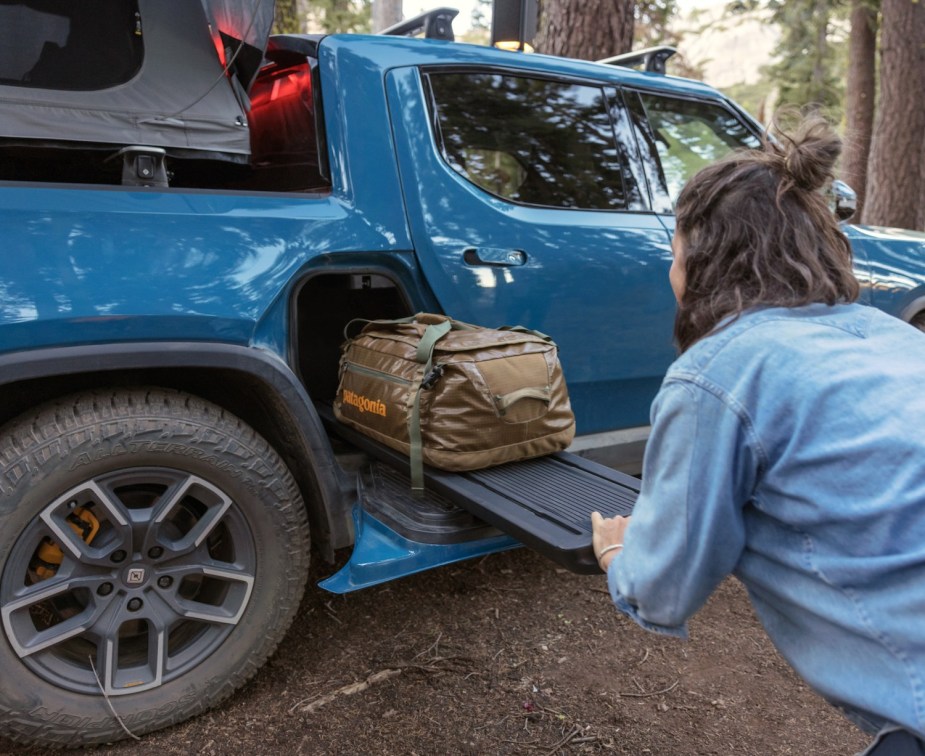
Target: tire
152 546
918 321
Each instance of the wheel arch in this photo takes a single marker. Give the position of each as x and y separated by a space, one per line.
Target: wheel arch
254 385
913 309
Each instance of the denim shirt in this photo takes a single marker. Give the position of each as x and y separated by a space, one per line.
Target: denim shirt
788 448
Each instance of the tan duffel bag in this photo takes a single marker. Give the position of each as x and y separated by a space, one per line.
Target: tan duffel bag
454 395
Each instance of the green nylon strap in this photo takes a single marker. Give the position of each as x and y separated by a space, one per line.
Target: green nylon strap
432 334
425 354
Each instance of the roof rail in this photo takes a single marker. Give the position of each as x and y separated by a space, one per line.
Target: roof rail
651 58
437 24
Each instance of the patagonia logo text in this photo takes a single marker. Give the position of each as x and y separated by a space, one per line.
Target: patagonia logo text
364 403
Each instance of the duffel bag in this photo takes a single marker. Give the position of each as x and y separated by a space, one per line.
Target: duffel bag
453 395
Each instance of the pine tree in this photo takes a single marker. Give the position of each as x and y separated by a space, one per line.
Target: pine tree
806 72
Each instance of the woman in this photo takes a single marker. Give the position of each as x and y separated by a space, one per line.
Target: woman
787 444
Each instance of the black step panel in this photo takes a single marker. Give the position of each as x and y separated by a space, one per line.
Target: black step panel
386 494
545 503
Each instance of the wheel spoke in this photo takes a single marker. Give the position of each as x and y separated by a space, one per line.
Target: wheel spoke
222 595
207 496
21 629
119 675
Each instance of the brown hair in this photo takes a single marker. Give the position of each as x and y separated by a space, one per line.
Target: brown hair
756 230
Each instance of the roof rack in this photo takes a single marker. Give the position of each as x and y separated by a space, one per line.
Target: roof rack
651 58
436 24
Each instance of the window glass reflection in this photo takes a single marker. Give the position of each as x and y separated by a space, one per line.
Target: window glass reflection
689 135
533 141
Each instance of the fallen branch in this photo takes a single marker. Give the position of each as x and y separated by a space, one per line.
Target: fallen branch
576 730
349 690
433 647
653 693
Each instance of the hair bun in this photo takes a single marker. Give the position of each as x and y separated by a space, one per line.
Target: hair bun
810 152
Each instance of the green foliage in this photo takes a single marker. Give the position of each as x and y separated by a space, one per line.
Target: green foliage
811 55
293 16
652 19
287 18
343 15
752 97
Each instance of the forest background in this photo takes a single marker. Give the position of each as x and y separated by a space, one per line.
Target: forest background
860 62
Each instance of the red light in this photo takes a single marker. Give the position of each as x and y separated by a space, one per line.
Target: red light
219 47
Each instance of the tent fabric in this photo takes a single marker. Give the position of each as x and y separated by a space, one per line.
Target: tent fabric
175 94
246 25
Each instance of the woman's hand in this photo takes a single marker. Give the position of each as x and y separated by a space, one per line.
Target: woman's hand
607 532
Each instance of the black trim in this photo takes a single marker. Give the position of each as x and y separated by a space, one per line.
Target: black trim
436 24
307 196
321 131
652 59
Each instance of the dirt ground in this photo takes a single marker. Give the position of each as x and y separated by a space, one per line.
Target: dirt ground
510 654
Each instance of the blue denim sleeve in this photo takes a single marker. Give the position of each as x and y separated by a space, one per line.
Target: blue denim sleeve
687 529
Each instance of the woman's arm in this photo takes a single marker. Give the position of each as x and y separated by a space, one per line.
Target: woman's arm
687 531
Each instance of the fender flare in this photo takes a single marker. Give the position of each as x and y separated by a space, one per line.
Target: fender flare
912 309
257 364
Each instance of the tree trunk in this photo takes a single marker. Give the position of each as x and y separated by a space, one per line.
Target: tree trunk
587 29
860 92
896 186
386 13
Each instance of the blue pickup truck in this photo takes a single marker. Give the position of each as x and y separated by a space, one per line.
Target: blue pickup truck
191 213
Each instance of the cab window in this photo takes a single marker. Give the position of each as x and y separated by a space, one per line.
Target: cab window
531 141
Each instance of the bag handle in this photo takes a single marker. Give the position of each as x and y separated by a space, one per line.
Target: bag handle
522 329
503 401
424 318
367 321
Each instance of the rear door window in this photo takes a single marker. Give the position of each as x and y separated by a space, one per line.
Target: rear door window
532 141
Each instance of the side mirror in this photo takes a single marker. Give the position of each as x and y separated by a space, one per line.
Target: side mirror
844 200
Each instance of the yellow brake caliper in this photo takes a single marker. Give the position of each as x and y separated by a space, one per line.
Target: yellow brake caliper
48 556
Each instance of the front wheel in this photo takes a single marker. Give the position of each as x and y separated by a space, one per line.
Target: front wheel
153 551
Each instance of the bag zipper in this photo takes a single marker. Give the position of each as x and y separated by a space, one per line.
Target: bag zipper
373 373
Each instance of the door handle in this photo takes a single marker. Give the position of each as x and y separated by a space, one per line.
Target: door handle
494 256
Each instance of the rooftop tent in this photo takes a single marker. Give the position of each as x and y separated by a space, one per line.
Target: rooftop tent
241 28
108 73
